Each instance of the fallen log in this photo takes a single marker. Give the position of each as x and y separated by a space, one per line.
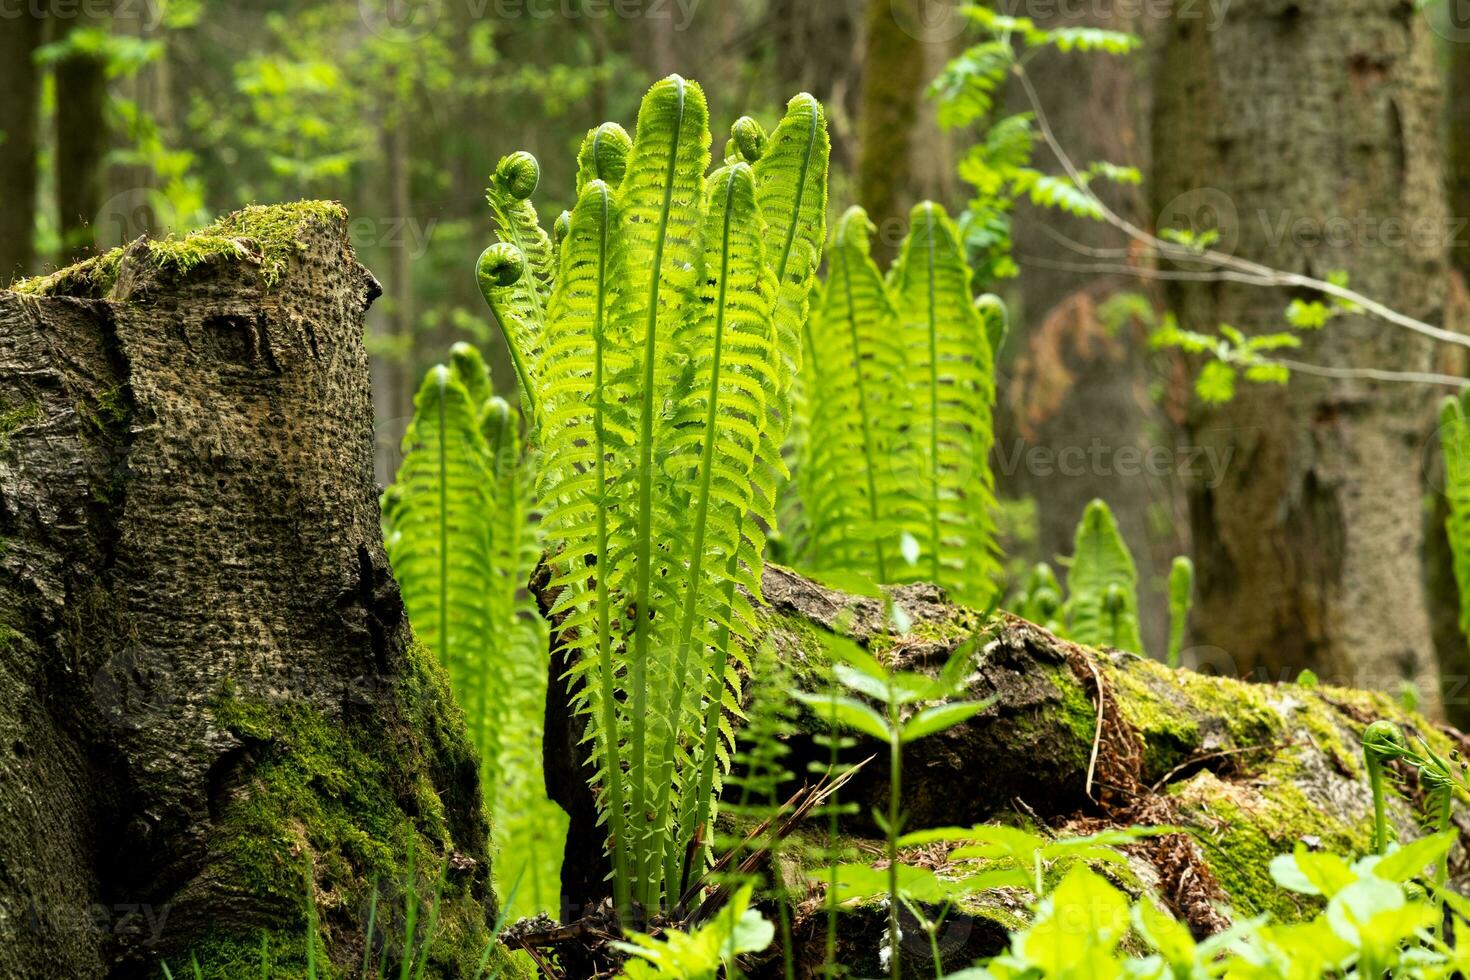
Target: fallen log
1248 770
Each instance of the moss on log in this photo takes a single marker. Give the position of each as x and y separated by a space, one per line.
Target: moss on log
1248 770
209 693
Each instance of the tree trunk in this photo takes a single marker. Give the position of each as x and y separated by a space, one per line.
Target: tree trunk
893 77
20 81
1457 102
81 145
817 50
1074 393
209 693
1444 592
1250 769
1312 134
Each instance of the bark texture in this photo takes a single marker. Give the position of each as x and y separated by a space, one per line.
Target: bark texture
1311 134
1248 769
209 693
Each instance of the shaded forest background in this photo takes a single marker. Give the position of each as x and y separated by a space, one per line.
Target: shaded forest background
129 117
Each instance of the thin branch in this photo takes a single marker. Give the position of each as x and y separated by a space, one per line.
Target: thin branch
1372 374
1259 274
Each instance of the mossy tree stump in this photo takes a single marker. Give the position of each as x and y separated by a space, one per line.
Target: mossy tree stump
209 694
1249 770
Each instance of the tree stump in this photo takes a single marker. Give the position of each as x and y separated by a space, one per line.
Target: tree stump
210 698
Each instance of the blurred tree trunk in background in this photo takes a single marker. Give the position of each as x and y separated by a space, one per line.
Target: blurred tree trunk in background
893 80
817 50
393 388
19 104
1439 574
1457 99
82 137
1070 385
1311 133
130 211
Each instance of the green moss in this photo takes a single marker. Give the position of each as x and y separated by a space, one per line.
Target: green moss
350 798
1075 710
1244 826
270 233
91 278
14 418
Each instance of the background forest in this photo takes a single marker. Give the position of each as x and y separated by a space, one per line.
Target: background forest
1208 307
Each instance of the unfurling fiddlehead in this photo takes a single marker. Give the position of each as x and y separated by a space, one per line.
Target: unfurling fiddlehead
1383 742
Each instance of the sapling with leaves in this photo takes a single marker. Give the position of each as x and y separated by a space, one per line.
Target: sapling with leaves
909 706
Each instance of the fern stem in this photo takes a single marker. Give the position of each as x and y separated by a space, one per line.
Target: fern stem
618 817
696 554
703 800
443 488
933 405
870 455
644 544
895 787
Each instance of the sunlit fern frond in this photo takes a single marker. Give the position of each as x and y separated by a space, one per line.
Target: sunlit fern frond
1102 585
584 441
791 191
517 292
951 381
528 829
853 472
438 536
713 443
660 204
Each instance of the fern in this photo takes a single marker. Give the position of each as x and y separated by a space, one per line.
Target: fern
951 383
438 538
1181 596
854 505
463 540
1102 584
1454 434
663 394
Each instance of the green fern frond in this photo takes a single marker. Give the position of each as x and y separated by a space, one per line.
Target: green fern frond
603 156
1181 597
517 296
660 200
439 540
1102 585
1454 434
854 460
951 381
714 443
